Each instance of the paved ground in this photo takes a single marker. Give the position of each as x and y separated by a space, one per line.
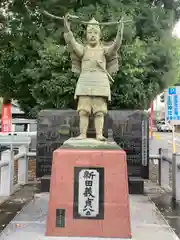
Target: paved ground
164 140
146 220
14 204
169 209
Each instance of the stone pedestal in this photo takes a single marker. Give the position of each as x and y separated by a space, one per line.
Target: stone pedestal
89 191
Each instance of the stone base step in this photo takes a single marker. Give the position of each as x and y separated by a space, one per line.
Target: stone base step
136 185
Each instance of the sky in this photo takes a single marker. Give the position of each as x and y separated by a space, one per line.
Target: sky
176 30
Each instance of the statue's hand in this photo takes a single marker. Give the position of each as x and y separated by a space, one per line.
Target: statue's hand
67 22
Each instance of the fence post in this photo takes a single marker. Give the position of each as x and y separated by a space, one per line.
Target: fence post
7 174
176 177
163 169
23 166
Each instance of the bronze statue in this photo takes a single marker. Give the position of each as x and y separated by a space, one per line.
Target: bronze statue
94 63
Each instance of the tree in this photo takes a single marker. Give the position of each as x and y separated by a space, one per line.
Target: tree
35 64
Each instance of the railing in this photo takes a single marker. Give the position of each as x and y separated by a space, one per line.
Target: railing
29 134
7 186
164 163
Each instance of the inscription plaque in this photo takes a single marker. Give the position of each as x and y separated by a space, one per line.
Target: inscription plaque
130 131
53 128
60 218
88 193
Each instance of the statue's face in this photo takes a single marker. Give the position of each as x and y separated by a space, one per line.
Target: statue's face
93 36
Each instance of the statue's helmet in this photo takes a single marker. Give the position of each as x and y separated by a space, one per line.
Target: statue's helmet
93 24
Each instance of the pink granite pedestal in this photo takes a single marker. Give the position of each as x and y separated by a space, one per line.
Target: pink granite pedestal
72 171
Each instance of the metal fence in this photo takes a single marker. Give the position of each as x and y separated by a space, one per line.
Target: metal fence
8 157
7 186
164 163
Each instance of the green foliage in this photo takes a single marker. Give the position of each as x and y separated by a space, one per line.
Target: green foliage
35 66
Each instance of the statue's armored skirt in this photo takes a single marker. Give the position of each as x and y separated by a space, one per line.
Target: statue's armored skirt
95 83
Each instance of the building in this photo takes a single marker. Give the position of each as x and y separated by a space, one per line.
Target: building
16 111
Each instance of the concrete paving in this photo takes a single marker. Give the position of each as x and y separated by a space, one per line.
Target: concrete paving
9 206
146 222
164 140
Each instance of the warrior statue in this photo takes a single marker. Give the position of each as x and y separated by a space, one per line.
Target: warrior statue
94 63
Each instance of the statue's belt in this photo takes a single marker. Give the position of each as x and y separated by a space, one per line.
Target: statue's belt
102 67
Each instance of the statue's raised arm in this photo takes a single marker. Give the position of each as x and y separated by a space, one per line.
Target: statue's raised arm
70 40
114 47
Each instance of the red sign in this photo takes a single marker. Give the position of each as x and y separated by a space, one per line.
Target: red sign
6 119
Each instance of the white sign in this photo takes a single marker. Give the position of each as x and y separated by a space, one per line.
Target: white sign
88 204
144 143
172 105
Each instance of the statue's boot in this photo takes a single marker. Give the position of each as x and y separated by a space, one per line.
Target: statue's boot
99 124
83 125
